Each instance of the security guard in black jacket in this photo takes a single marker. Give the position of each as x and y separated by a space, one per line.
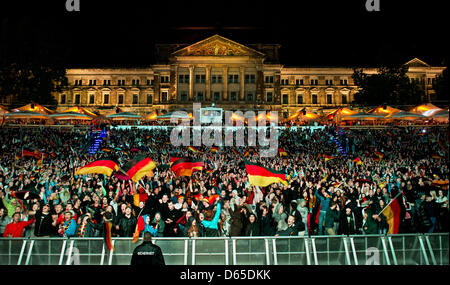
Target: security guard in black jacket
147 253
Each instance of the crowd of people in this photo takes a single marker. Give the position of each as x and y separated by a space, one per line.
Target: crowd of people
339 181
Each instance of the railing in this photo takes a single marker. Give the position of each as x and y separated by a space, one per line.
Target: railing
404 249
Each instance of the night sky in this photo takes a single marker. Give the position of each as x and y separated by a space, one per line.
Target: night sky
311 33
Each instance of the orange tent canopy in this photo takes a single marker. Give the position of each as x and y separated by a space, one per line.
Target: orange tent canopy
388 111
427 109
36 108
304 117
3 110
80 110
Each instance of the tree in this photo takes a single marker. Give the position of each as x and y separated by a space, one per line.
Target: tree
390 85
440 85
31 82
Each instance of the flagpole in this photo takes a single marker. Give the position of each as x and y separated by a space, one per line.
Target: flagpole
390 203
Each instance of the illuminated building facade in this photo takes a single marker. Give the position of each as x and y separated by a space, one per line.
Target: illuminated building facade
220 71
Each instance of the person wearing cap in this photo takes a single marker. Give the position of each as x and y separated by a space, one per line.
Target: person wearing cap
147 253
69 226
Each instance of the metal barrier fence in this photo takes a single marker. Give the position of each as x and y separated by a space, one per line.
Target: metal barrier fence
405 249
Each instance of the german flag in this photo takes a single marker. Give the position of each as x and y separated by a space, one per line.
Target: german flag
246 153
141 196
27 152
39 155
392 214
106 149
138 167
193 149
259 175
173 159
436 156
103 166
140 226
235 151
186 166
214 149
357 160
379 154
17 157
108 239
282 152
327 157
211 199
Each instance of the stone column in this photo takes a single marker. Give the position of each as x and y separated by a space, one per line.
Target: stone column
242 86
191 82
208 84
225 83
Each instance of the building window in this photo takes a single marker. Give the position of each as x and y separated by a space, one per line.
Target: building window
120 100
135 99
344 99
314 82
299 99
249 78
285 99
343 81
106 82
249 97
184 96
219 78
299 81
269 96
314 98
200 78
164 79
284 81
91 99
213 79
216 96
233 96
63 99
92 82
149 99
183 78
135 82
106 99
329 99
149 82
200 96
121 82
77 99
329 82
164 97
269 79
233 78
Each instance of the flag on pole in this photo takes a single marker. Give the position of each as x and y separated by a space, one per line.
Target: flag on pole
327 157
282 152
186 166
138 167
103 166
392 214
193 149
259 175
357 160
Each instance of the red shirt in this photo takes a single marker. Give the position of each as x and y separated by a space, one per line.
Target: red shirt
16 229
